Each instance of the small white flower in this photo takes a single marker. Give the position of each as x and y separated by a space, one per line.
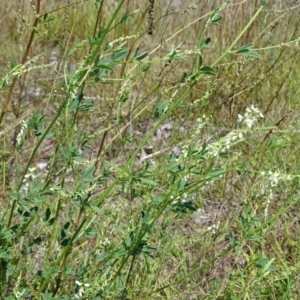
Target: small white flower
214 227
81 291
78 283
42 165
250 122
251 115
240 118
274 179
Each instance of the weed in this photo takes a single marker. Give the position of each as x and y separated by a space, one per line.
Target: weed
148 150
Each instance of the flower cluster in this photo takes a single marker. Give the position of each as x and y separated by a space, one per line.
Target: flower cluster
251 115
271 180
201 122
123 38
224 144
213 228
80 288
21 134
29 176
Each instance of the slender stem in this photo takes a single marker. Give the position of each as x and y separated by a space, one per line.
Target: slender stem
163 118
240 35
23 60
129 271
62 256
98 18
67 250
33 155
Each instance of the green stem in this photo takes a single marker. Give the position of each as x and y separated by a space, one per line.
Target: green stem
63 254
33 155
150 133
240 35
129 272
81 77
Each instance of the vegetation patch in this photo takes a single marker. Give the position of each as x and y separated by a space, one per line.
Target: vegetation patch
149 149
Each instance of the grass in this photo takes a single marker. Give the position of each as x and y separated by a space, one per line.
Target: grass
149 150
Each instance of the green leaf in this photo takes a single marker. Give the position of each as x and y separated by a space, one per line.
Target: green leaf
103 257
47 296
105 67
86 106
244 48
255 238
104 62
141 56
127 16
148 181
177 57
25 212
102 69
207 70
36 186
118 55
252 53
127 242
173 166
158 200
181 184
4 254
64 237
95 208
183 207
159 107
215 173
47 214
88 174
73 105
5 234
125 96
89 232
97 58
35 123
204 43
50 271
136 52
120 253
265 263
143 248
120 287
183 78
215 19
